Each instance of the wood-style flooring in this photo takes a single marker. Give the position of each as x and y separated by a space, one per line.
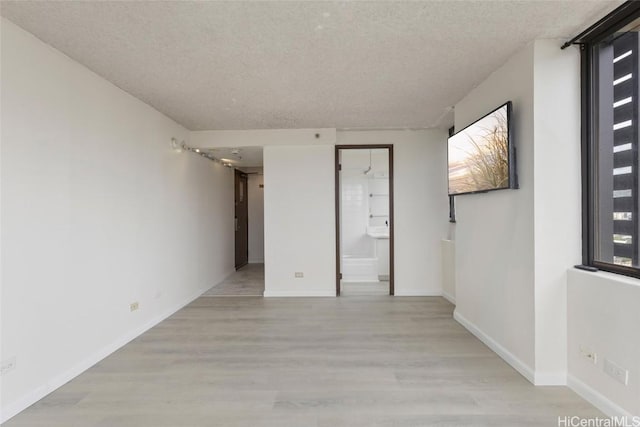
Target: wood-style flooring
247 281
252 361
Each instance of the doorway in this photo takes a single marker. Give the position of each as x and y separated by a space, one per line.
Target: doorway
364 219
241 219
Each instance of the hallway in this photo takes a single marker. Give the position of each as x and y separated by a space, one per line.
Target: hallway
248 281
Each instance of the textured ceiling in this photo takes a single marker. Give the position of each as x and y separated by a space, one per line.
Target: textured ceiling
306 64
245 157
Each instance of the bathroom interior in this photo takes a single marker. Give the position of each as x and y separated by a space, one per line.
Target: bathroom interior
364 221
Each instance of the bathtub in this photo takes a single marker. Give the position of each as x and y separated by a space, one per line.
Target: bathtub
359 269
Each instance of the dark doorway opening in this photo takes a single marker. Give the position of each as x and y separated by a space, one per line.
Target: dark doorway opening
241 219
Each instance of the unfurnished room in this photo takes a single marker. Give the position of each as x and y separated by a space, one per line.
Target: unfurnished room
320 213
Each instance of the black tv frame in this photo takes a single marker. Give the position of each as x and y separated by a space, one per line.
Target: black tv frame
513 175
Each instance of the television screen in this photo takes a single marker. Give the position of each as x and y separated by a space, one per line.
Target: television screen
481 156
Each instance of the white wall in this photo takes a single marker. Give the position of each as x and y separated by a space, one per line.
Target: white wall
512 285
261 137
299 220
557 200
299 205
255 197
603 317
354 213
494 231
97 212
2 354
513 247
421 204
449 270
356 205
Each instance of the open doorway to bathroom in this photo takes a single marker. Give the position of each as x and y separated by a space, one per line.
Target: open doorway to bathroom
364 220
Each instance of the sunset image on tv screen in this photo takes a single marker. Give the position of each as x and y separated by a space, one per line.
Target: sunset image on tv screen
479 155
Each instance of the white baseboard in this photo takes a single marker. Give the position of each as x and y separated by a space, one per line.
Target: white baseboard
299 293
550 378
449 297
598 400
256 261
416 293
505 354
57 381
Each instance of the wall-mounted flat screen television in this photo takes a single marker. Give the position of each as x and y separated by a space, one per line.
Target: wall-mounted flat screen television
481 157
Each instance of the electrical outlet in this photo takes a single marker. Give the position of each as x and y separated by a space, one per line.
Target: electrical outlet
299 274
589 354
134 306
8 365
616 372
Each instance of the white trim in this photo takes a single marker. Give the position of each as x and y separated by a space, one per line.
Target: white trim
256 261
597 399
449 297
497 348
416 293
550 378
299 293
59 380
605 275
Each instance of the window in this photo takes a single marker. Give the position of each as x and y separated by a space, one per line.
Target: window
610 128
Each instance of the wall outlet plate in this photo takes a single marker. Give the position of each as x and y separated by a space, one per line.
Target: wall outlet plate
616 371
589 354
7 365
134 306
299 274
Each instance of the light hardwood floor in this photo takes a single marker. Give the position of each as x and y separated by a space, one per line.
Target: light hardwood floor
358 361
248 281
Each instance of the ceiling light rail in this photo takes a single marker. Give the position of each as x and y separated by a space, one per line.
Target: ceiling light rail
182 146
